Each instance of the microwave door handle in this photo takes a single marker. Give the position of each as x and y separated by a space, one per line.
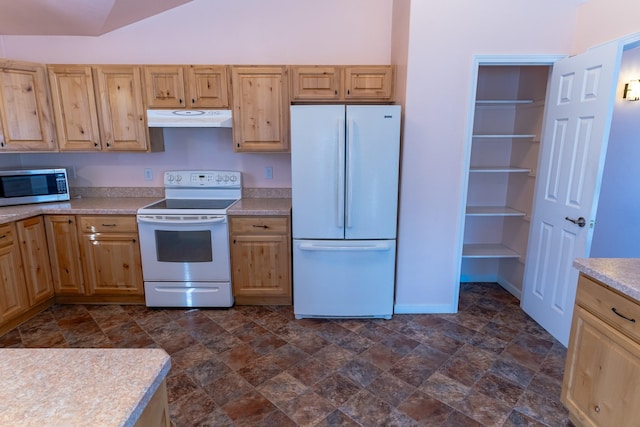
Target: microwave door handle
182 221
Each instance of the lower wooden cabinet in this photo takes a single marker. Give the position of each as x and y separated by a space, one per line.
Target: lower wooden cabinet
111 255
35 256
602 371
261 259
13 291
64 254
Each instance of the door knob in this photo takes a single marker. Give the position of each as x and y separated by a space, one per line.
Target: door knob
580 222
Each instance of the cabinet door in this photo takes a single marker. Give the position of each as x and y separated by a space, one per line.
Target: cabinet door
121 108
315 83
13 293
260 108
261 260
35 257
64 252
26 118
207 86
112 263
602 373
368 83
74 105
164 86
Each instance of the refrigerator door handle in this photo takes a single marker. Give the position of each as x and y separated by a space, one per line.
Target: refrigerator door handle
340 248
349 199
340 178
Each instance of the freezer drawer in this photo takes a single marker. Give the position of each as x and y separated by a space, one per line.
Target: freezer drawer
188 294
343 278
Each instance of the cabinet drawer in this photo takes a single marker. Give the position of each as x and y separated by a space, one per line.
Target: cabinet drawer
262 225
108 223
6 235
605 303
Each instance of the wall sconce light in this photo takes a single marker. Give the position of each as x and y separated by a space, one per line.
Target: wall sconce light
632 91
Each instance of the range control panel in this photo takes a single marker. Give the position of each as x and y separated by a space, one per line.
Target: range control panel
226 179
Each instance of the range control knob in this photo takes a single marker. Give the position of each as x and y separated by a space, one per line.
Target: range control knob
170 178
218 178
178 178
234 178
226 178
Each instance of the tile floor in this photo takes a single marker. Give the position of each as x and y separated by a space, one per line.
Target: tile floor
488 365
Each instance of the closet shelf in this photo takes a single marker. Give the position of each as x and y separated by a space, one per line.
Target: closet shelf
493 211
493 250
499 169
504 136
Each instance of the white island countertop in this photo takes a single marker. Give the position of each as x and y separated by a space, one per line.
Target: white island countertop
621 274
78 387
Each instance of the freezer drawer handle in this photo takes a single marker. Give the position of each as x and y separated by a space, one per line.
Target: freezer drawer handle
337 248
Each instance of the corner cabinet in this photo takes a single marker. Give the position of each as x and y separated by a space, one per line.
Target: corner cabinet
602 372
101 109
260 108
13 293
501 178
26 115
35 256
111 255
186 86
261 259
338 83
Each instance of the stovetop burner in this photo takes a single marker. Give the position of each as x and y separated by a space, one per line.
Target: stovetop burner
191 204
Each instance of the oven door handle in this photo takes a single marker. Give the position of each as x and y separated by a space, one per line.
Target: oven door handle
215 220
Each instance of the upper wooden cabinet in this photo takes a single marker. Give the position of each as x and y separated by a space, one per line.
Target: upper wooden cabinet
340 83
260 108
188 86
74 105
101 109
26 119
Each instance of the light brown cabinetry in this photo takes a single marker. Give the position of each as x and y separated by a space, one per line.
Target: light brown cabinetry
35 256
111 255
342 83
13 292
101 109
188 86
26 117
603 360
260 259
260 108
64 253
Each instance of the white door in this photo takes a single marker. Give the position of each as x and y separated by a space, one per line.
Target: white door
317 171
578 115
371 181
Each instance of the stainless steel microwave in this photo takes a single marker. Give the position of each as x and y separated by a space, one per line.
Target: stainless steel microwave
23 186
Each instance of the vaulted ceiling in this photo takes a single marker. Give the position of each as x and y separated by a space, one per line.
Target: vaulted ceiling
76 17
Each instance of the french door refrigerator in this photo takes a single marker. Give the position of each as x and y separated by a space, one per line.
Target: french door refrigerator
344 166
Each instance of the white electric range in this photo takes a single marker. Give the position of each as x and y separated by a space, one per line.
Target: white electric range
184 240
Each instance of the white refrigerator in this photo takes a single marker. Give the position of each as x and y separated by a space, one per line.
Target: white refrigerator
344 166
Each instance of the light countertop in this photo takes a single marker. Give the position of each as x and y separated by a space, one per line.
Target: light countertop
78 387
129 206
621 274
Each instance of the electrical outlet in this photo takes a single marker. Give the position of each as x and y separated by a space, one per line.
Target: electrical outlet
148 174
268 172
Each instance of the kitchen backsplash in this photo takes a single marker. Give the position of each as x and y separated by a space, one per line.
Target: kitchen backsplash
248 193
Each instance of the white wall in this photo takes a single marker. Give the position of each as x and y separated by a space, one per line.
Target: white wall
599 21
443 38
617 231
212 32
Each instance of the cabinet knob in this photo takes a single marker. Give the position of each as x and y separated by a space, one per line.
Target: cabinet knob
597 408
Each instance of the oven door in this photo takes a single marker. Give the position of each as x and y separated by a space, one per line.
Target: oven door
177 249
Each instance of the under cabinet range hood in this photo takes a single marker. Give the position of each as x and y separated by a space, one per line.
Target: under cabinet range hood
189 118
